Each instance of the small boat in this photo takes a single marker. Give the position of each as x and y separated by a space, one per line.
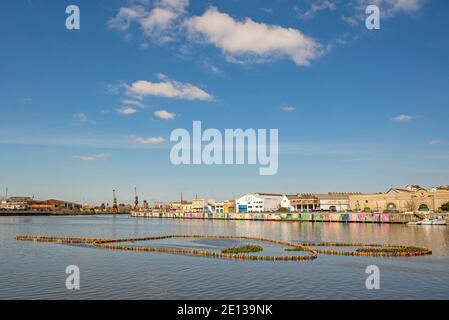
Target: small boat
428 222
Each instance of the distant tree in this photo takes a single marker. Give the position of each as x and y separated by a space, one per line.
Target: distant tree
445 207
102 207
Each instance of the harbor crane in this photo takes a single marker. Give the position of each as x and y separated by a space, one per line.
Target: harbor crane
114 202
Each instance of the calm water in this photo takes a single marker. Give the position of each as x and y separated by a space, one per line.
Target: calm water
37 270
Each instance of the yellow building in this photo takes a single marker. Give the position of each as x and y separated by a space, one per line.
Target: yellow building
229 206
408 199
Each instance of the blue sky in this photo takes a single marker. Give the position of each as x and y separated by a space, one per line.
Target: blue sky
85 111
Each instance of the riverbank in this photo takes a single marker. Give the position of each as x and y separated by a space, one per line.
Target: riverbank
53 213
346 217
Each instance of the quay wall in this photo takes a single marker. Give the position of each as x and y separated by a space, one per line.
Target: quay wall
306 217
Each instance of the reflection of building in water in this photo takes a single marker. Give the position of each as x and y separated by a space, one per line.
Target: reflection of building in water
410 198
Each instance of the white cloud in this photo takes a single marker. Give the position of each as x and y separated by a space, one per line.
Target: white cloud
148 140
252 41
165 115
434 142
211 68
93 157
352 21
288 109
403 118
117 88
315 7
389 8
159 23
134 103
169 88
81 117
125 16
127 110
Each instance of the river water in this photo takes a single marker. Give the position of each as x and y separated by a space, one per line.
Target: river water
31 270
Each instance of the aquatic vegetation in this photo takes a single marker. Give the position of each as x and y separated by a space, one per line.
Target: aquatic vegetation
243 249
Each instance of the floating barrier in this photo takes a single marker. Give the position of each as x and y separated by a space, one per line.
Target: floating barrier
368 249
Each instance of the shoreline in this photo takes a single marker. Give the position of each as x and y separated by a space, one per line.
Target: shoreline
55 214
346 217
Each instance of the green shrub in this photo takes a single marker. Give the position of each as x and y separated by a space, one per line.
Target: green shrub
243 249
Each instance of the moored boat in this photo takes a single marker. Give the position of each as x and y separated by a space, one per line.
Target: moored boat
428 222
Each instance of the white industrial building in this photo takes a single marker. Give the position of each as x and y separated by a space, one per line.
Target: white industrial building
258 202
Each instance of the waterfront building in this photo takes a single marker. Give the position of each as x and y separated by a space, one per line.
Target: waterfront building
40 205
301 202
60 205
229 206
209 208
15 203
198 205
186 207
27 203
161 206
408 199
285 203
258 202
219 207
175 206
334 201
88 208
